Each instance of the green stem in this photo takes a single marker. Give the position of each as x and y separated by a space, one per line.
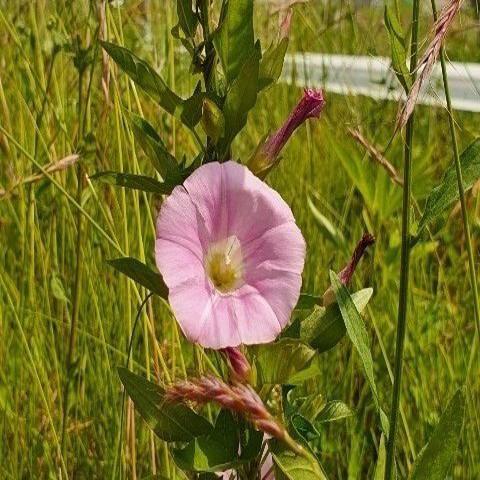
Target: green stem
78 275
208 64
461 189
405 260
127 365
208 70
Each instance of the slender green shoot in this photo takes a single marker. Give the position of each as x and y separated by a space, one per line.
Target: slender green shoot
404 261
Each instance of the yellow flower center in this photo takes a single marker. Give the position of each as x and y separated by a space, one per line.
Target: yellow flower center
224 264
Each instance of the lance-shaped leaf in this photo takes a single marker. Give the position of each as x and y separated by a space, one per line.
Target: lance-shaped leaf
241 98
187 19
359 336
271 65
219 450
214 452
234 39
325 327
135 182
140 273
397 44
145 76
170 421
165 163
191 111
443 195
436 458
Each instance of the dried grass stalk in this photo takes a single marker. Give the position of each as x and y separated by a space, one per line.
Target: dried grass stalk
428 60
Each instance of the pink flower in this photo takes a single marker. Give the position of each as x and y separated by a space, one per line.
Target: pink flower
309 106
231 255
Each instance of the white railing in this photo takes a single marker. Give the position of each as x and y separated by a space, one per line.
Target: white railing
373 77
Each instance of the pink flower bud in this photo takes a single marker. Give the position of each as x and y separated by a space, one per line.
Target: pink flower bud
347 272
239 367
310 106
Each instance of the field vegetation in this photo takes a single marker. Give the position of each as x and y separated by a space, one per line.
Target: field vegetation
61 399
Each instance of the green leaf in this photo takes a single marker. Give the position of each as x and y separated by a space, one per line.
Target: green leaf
436 458
187 111
241 98
381 461
312 406
296 359
187 19
144 76
250 442
304 429
234 39
165 163
271 64
191 111
333 411
307 301
140 273
170 421
325 327
397 44
290 466
135 182
214 452
213 121
359 336
446 193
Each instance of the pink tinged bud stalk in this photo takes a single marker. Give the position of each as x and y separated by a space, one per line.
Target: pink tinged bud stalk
346 273
266 156
237 397
285 24
240 369
429 58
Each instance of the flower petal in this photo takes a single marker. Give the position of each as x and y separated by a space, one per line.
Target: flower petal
253 207
280 249
232 201
192 302
206 190
256 319
177 263
280 294
243 317
178 222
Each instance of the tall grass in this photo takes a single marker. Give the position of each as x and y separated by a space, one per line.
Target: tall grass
40 229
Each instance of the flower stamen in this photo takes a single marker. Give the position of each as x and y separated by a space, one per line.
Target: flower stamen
224 264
